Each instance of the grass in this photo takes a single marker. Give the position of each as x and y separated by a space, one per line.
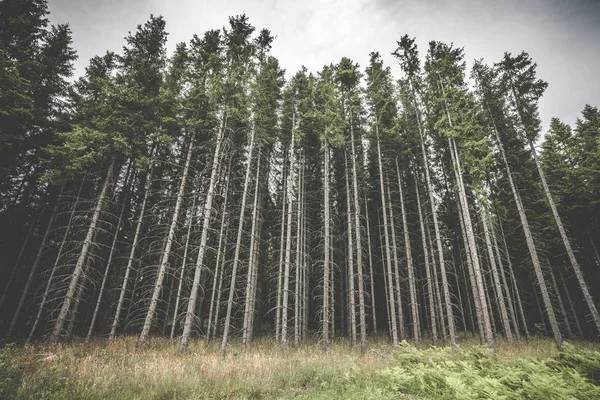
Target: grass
99 370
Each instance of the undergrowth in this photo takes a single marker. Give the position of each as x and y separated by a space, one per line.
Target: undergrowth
101 370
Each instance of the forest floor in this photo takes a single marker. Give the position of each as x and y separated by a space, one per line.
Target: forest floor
117 370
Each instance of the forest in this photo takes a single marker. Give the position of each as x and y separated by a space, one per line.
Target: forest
210 198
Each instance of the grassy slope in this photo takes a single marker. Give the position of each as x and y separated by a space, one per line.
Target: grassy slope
118 370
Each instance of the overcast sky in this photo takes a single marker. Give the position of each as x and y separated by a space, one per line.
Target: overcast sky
563 36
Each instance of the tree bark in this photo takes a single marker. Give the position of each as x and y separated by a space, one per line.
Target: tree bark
297 296
218 268
281 249
182 273
496 277
326 249
78 271
436 287
288 245
401 331
464 206
145 334
126 188
409 263
505 286
220 288
350 262
427 270
251 264
474 287
388 255
134 243
255 253
189 317
238 245
514 283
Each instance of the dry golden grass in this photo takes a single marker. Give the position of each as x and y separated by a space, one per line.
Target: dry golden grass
116 369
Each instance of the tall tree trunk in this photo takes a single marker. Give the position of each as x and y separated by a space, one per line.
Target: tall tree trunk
332 293
504 285
409 263
305 268
189 316
430 290
297 296
472 317
490 308
489 337
134 243
218 268
162 269
251 263
350 261
388 255
385 277
436 283
514 283
461 306
281 249
255 253
326 249
496 276
288 245
220 288
238 245
474 287
401 332
79 266
79 296
182 273
126 188
359 256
